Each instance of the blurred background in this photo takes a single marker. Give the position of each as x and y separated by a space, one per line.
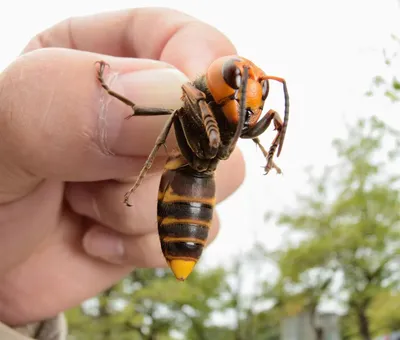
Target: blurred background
312 254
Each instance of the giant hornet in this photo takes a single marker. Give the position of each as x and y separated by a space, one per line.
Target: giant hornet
219 107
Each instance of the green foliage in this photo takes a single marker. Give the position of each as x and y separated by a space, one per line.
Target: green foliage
384 312
152 305
147 304
350 225
389 84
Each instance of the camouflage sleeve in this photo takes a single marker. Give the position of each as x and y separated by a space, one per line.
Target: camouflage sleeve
51 329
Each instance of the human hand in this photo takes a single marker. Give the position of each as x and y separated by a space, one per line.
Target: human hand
64 233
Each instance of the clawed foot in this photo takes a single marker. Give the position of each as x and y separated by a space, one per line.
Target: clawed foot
271 165
126 199
102 66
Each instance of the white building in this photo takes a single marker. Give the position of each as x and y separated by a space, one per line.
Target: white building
299 327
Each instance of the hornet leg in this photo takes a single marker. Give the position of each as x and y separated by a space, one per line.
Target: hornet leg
160 141
268 155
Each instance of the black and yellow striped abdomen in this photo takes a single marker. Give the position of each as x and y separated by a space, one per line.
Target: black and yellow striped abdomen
186 202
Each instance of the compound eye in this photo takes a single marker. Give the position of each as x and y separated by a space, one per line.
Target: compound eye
231 74
265 89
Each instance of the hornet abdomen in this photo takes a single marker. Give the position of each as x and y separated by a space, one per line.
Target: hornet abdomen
186 201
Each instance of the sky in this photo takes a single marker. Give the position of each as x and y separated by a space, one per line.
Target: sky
328 52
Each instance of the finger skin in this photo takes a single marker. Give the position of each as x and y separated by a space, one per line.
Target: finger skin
102 203
82 276
53 131
61 115
136 249
180 40
24 226
34 300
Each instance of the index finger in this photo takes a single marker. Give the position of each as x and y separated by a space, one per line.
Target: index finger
154 33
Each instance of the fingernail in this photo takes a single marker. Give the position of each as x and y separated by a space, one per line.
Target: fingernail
154 87
105 245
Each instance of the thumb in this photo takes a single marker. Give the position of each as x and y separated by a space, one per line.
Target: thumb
57 122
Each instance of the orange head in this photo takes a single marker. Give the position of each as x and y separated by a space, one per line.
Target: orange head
224 77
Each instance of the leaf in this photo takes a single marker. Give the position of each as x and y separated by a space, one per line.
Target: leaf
396 84
392 96
378 81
